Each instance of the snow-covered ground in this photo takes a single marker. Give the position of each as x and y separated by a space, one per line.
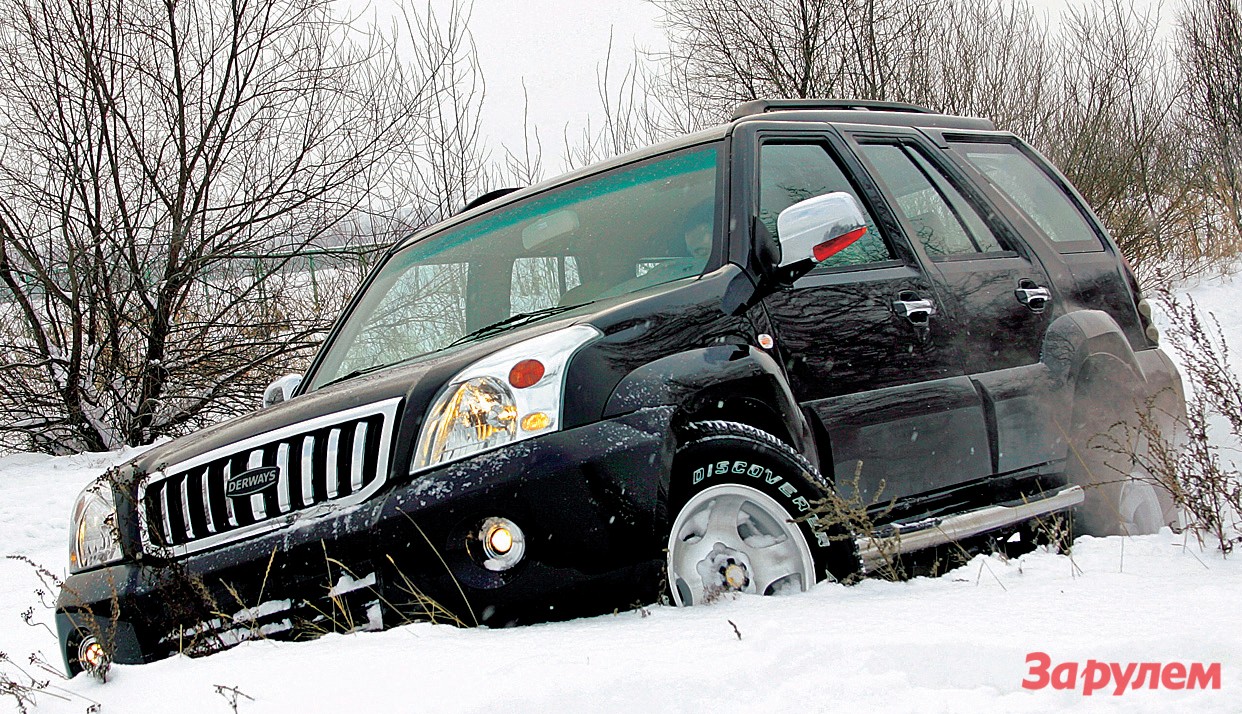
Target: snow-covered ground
957 643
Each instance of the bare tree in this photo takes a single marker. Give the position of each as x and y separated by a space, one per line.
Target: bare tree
161 161
990 59
638 110
1115 132
450 164
730 51
1100 95
1210 54
524 167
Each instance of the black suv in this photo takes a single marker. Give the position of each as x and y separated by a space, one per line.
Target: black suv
639 380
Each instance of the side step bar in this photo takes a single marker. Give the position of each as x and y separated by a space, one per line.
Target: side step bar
908 537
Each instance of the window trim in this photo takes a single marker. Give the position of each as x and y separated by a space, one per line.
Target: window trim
909 143
847 274
1102 241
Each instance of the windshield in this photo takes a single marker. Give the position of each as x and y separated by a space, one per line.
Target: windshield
600 237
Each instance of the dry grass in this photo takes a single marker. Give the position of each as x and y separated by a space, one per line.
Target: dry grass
1195 463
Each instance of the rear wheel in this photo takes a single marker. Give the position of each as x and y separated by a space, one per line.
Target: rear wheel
744 518
1121 498
1139 507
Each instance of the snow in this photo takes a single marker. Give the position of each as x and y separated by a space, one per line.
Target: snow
956 643
346 585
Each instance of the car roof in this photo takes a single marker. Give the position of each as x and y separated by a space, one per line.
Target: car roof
829 111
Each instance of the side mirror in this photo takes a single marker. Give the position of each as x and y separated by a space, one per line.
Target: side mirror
811 231
281 390
818 228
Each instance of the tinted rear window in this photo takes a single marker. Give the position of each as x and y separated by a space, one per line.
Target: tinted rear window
1035 193
943 221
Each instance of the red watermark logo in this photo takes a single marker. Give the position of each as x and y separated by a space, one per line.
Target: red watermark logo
1094 676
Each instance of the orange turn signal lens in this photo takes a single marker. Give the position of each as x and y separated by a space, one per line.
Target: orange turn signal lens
526 373
536 421
829 248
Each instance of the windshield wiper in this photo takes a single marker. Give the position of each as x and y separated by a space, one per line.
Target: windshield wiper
357 373
512 321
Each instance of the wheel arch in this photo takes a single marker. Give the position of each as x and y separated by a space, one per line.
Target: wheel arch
737 383
1078 341
1108 386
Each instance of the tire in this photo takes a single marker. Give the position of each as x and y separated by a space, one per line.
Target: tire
743 522
1120 498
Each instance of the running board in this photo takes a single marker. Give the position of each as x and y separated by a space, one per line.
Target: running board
900 538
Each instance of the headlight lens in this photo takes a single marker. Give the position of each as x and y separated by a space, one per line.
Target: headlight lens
480 415
95 539
511 395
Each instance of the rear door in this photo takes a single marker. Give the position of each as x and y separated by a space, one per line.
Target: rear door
865 338
1000 295
1046 207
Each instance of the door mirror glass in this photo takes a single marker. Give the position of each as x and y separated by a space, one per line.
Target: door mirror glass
818 228
281 390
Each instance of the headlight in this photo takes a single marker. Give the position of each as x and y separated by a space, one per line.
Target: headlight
511 395
95 540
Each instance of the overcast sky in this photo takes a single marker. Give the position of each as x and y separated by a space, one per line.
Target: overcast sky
556 47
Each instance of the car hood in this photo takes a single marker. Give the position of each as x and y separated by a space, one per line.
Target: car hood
413 383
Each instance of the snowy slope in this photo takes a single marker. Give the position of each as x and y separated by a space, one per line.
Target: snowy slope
958 643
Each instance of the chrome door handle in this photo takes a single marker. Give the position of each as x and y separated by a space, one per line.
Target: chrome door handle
917 312
1034 297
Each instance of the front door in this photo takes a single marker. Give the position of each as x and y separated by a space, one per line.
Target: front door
865 337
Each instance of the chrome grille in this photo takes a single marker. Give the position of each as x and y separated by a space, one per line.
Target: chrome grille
336 460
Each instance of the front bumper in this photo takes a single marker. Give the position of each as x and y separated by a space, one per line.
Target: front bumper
590 501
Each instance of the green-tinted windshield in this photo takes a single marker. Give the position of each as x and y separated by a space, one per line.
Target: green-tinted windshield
599 237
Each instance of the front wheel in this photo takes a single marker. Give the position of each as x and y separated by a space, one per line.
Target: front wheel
733 538
745 518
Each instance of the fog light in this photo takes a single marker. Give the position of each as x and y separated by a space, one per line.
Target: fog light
499 539
504 544
92 656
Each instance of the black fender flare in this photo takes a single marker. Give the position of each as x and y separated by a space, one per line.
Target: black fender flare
1092 337
694 380
1105 380
1082 337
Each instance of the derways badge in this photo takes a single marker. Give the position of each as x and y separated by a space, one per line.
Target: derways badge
248 483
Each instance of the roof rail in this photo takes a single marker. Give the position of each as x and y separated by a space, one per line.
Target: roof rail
763 106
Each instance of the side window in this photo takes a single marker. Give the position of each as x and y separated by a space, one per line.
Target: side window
1035 193
790 173
943 220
